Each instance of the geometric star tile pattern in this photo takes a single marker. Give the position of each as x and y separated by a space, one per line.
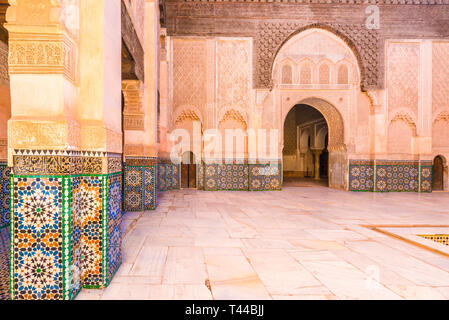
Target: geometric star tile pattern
4 194
390 176
65 234
40 252
140 188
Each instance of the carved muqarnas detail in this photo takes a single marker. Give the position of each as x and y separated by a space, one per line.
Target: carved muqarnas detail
187 115
365 44
407 118
442 116
235 116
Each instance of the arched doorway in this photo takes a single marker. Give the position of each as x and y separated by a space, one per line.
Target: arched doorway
438 174
188 170
305 155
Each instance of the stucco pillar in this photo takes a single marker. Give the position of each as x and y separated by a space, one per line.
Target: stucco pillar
317 154
422 143
64 146
5 114
378 122
151 86
100 115
44 144
141 144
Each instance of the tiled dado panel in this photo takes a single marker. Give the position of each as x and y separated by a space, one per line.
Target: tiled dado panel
4 194
265 177
361 175
66 234
4 262
140 184
225 176
390 176
45 241
97 199
4 230
65 228
169 176
140 188
240 177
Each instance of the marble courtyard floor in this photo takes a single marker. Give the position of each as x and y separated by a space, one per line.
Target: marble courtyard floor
299 243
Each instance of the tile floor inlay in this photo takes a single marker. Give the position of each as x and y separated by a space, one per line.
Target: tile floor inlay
304 242
440 238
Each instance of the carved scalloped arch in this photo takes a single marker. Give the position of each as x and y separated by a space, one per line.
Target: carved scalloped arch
186 114
363 43
406 116
232 114
442 116
335 124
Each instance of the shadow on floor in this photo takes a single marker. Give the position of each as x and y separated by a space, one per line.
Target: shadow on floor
305 182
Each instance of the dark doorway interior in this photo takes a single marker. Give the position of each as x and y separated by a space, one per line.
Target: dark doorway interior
438 174
188 171
324 160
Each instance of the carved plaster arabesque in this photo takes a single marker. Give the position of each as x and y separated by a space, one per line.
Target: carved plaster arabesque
233 74
364 43
440 76
133 115
442 116
4 75
403 76
42 54
186 115
234 115
406 117
334 122
340 2
189 72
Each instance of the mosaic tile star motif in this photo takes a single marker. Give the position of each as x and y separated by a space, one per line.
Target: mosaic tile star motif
4 262
133 188
390 176
4 195
114 256
140 187
265 177
361 176
38 265
88 199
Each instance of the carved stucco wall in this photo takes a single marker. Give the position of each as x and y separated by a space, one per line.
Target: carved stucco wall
440 87
440 97
316 57
271 23
5 103
272 35
4 75
233 74
403 76
189 74
403 63
231 70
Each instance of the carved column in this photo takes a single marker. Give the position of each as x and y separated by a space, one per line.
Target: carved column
317 154
5 110
46 226
99 109
140 171
141 162
378 117
64 146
